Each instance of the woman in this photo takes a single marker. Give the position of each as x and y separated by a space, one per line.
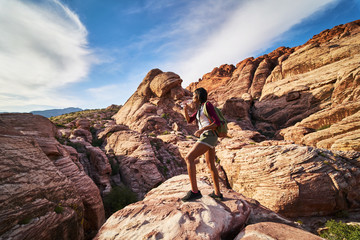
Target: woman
206 144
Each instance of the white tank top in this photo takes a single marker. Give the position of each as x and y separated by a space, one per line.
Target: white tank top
203 121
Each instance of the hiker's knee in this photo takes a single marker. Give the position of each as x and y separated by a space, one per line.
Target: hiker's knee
188 159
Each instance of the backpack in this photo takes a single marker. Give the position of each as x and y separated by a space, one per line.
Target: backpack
221 130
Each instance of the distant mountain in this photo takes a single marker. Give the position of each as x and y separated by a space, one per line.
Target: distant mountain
56 112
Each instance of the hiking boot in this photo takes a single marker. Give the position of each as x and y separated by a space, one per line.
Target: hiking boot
216 197
190 196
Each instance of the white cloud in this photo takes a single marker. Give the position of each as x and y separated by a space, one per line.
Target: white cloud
43 47
245 29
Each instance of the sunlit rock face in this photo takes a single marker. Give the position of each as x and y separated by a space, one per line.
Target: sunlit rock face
37 200
293 119
163 215
48 175
309 92
295 180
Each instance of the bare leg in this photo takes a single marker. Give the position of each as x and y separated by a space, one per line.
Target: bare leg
210 160
197 150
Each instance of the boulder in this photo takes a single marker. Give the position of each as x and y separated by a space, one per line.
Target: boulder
144 162
83 124
164 82
294 180
271 230
81 133
162 214
155 105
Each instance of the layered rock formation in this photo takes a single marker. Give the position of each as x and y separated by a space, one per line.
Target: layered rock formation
313 86
41 175
151 147
154 107
271 230
294 125
285 97
294 180
162 215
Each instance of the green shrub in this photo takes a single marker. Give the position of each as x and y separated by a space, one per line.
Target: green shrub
114 167
152 134
164 170
59 209
25 221
340 231
118 198
323 127
97 142
165 115
322 154
61 140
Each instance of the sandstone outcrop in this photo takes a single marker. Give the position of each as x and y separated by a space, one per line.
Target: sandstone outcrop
293 118
289 85
155 105
305 95
271 230
93 160
97 166
144 161
163 215
294 180
37 200
65 161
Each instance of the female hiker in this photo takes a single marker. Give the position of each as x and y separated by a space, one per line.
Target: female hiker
206 144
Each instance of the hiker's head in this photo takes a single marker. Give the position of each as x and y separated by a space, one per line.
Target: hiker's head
201 95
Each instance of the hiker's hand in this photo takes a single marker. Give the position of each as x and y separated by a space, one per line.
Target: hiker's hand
198 133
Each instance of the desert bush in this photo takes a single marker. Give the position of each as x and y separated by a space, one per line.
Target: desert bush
118 198
114 166
58 209
323 127
340 231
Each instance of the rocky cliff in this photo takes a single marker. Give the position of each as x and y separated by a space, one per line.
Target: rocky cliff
162 215
293 122
45 191
307 94
293 118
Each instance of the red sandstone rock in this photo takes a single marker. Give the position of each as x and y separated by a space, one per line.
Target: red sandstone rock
163 214
164 82
291 92
83 124
37 200
65 159
294 180
81 133
296 83
144 162
271 230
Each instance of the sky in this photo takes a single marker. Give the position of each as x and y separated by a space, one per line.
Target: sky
91 54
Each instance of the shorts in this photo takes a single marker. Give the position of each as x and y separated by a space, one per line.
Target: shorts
209 138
